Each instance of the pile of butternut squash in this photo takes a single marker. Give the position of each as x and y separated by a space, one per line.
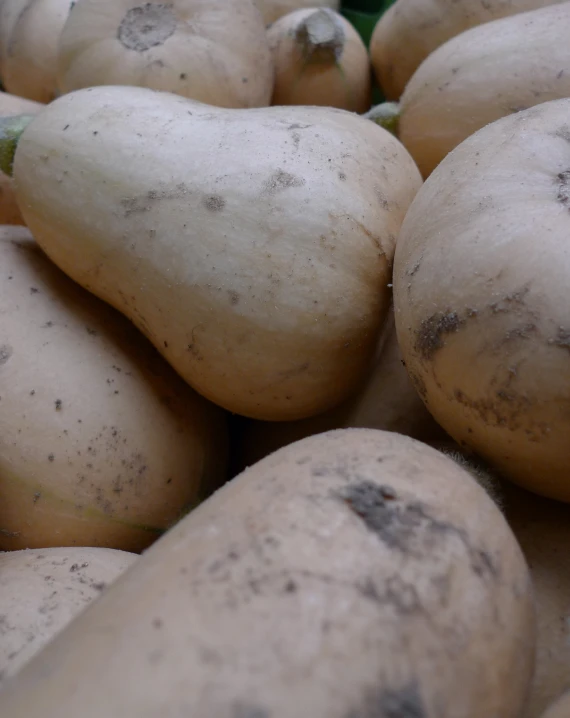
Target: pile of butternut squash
284 377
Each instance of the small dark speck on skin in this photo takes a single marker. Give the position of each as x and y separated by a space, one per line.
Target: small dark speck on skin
214 203
183 75
34 290
58 404
51 457
290 587
66 127
248 710
6 352
405 702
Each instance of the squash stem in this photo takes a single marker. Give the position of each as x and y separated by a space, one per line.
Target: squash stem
387 115
11 129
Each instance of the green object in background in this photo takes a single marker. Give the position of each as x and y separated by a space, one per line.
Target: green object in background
363 15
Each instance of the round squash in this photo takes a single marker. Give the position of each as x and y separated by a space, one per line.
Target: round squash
410 30
30 66
215 51
12 105
486 73
387 400
42 591
354 573
481 307
274 9
319 59
261 272
101 444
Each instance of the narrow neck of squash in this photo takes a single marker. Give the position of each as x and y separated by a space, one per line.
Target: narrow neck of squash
321 37
387 115
11 129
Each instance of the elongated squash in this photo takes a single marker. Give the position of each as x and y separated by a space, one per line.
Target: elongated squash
215 51
481 307
253 248
30 66
354 573
410 30
101 444
484 74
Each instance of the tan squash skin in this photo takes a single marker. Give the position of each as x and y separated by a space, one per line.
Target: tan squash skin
410 30
101 444
262 239
319 59
353 573
560 709
215 51
480 297
482 75
387 401
42 591
30 68
12 105
10 11
274 9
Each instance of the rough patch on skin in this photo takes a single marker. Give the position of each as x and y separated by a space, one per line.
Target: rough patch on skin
429 337
6 352
280 181
147 26
214 203
405 702
563 184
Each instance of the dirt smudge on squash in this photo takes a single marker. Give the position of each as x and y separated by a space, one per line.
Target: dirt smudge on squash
214 203
147 26
562 340
280 181
404 702
429 336
6 352
136 205
563 185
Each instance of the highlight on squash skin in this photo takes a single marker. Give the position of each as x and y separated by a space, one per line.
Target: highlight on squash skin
11 129
387 115
319 60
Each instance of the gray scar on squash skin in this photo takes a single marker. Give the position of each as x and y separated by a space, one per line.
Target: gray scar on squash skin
147 26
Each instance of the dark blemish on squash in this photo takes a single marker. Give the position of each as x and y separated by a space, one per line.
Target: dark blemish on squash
36 497
290 587
249 710
183 75
6 352
342 176
157 623
51 457
214 203
280 181
66 127
147 26
298 126
429 337
504 411
405 702
58 404
34 290
234 298
91 332
563 184
563 133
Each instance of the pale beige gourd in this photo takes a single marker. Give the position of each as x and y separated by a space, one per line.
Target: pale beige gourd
253 247
387 401
484 74
215 51
481 310
410 30
272 10
42 591
101 444
357 572
559 709
319 59
10 11
30 67
12 105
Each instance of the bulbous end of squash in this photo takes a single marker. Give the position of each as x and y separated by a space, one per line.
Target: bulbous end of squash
387 115
11 129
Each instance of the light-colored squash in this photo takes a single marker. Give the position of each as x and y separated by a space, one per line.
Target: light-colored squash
559 709
486 73
274 9
101 444
30 66
481 307
10 11
354 573
410 30
12 105
215 51
252 247
319 59
387 401
42 591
